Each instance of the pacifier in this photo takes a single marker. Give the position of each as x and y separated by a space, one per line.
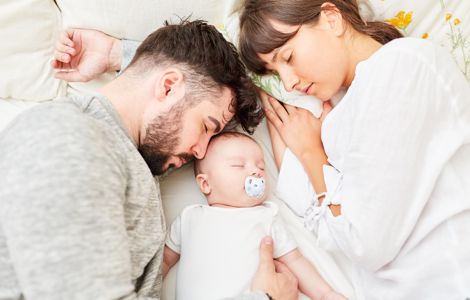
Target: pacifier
254 186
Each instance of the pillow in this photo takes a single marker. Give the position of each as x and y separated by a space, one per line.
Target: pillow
28 31
134 20
445 22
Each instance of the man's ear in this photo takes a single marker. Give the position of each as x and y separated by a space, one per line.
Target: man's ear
203 183
333 18
170 83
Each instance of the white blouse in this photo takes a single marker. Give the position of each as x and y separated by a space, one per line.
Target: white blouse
399 147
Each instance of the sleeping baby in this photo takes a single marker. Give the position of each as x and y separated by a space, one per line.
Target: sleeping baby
217 244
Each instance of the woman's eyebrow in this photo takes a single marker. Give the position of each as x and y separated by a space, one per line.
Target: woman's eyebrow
276 52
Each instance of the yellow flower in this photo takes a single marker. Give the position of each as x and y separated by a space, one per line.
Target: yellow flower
425 35
401 19
456 21
448 16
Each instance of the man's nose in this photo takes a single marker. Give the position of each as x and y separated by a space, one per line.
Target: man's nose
199 150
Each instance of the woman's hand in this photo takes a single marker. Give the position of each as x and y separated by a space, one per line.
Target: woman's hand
298 127
83 54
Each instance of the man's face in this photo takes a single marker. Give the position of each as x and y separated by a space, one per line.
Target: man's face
174 138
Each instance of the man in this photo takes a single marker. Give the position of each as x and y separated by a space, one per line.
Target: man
80 212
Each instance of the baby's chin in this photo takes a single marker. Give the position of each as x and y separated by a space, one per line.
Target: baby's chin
257 201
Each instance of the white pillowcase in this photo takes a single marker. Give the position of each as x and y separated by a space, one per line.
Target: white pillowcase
27 33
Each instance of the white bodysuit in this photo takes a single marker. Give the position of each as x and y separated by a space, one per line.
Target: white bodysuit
219 248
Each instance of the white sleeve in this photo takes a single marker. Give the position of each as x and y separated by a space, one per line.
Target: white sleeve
293 185
173 239
405 128
283 242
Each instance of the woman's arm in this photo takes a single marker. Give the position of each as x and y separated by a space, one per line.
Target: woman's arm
306 143
277 143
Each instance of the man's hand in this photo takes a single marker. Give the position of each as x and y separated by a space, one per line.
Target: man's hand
83 54
273 277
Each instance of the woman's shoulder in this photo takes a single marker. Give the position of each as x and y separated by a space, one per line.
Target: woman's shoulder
406 48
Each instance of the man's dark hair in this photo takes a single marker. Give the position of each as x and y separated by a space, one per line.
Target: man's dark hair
208 62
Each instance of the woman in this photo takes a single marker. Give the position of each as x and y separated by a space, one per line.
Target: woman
398 142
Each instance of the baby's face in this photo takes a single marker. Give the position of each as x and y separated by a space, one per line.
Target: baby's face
229 161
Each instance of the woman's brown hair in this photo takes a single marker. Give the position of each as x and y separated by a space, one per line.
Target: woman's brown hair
258 36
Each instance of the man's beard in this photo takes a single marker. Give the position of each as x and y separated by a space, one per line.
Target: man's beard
162 138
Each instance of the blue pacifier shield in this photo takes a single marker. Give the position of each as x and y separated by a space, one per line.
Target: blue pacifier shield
254 186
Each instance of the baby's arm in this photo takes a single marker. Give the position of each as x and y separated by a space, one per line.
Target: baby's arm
170 258
310 281
172 250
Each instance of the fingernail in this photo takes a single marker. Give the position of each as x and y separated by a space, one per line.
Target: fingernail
268 240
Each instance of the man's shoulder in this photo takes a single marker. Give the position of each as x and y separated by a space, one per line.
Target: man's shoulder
50 121
54 130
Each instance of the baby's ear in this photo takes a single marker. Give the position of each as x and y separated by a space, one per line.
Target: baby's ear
203 184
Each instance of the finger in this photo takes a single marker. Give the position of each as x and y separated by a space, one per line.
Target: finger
278 109
63 48
273 118
264 100
62 57
290 108
66 37
266 262
283 269
71 76
327 107
56 64
60 65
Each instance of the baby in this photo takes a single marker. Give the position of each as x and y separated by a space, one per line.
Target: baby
218 244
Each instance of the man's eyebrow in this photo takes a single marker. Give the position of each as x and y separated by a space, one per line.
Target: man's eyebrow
216 123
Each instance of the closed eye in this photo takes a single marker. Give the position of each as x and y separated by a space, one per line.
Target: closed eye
237 166
290 57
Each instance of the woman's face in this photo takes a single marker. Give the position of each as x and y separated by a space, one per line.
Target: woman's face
315 60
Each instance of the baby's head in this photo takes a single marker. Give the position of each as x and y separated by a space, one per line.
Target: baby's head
232 172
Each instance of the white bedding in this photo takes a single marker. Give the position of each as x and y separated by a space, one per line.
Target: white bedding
24 74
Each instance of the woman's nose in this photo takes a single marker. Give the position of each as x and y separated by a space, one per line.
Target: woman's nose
289 80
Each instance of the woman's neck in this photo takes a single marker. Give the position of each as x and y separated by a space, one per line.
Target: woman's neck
360 48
